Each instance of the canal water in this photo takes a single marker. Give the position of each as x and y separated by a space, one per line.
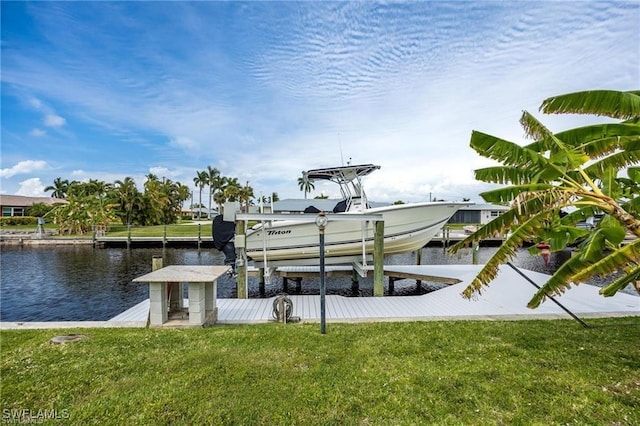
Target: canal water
80 283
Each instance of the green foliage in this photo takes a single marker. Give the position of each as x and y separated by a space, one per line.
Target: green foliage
96 204
446 373
59 188
580 168
18 220
305 184
39 209
610 103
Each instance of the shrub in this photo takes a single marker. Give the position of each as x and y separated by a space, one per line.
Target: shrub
18 220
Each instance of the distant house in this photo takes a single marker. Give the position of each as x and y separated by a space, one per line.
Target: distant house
198 212
478 213
17 205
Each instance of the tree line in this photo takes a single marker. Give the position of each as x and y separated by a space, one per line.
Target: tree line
97 204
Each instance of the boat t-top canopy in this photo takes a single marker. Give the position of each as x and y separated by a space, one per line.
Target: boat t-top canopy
342 174
348 178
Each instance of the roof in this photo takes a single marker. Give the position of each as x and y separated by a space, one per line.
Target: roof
24 201
476 207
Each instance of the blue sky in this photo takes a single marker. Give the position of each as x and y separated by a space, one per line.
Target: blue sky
264 90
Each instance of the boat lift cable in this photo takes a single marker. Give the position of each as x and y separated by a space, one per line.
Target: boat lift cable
267 273
364 243
582 323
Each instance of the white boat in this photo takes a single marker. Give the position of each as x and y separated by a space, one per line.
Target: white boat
407 227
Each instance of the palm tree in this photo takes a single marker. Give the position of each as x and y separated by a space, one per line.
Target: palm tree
305 184
182 193
577 168
219 198
59 188
214 180
245 194
128 196
155 201
231 188
200 181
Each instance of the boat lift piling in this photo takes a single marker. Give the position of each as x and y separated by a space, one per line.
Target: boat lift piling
360 267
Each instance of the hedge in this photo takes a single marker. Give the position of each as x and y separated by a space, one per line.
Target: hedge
18 220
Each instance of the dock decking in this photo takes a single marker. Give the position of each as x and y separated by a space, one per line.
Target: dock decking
505 299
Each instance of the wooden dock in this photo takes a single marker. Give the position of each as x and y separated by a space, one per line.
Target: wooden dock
505 299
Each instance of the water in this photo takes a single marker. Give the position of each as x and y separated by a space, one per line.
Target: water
79 283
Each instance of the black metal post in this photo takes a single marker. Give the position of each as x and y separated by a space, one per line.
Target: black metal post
582 323
199 235
323 287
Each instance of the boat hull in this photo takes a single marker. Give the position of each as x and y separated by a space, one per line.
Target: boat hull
407 227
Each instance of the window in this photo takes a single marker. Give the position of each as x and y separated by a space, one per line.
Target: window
13 211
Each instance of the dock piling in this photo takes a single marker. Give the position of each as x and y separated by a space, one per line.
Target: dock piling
241 261
418 262
158 295
378 259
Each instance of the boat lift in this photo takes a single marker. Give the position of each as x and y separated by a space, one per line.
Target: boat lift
359 262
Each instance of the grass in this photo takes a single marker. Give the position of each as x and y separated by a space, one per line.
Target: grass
527 372
179 230
119 230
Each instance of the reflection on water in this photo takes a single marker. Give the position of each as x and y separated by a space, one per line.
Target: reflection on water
76 283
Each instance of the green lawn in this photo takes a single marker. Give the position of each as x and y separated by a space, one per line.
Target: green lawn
188 229
526 372
179 230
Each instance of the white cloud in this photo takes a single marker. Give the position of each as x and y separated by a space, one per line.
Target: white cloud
400 85
53 120
183 142
37 133
32 188
23 167
35 103
165 172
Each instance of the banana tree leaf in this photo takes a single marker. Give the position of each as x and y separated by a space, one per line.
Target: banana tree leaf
508 194
604 137
617 161
503 151
505 253
560 281
504 175
632 276
621 258
614 104
613 231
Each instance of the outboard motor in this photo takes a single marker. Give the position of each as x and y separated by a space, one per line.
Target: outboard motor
223 233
